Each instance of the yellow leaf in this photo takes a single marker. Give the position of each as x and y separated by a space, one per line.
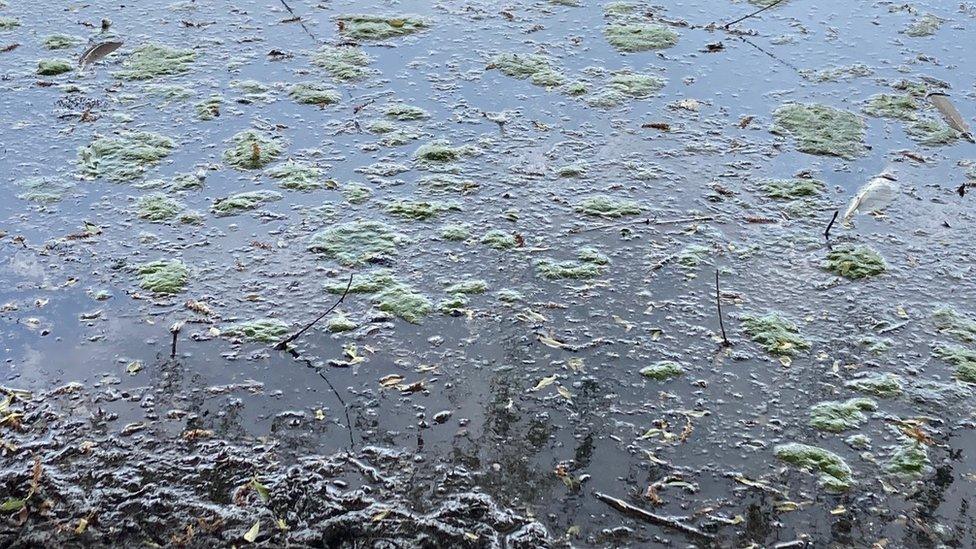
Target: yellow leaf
544 382
319 414
785 361
564 392
82 526
381 515
839 510
550 342
575 364
252 534
471 536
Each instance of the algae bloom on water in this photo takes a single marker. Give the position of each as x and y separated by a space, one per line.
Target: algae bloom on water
163 277
836 416
155 60
855 262
357 242
53 67
640 37
607 206
240 202
158 207
790 189
535 68
251 150
262 330
835 474
662 371
314 93
298 176
342 62
776 334
819 129
377 27
124 157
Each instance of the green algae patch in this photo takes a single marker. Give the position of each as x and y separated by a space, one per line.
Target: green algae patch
822 130
343 62
662 370
61 42
931 132
43 190
241 202
163 277
836 416
440 151
607 206
262 330
313 93
883 385
447 184
855 262
962 358
455 233
508 295
297 176
473 286
377 27
124 157
8 24
54 67
454 304
368 283
693 255
357 242
537 69
340 323
590 264
926 25
356 194
158 207
948 321
155 60
884 105
776 334
403 302
419 210
499 240
404 112
251 150
792 189
209 108
910 460
624 85
638 37
834 473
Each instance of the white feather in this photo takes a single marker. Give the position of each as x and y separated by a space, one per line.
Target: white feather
875 196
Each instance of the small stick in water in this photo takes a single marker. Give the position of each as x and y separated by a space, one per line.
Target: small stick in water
282 345
721 322
755 13
653 518
830 225
175 330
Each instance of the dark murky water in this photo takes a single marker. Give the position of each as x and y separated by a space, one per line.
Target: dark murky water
700 447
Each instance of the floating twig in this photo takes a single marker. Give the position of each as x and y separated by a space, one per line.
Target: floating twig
753 14
636 512
282 345
831 224
299 19
721 322
345 407
175 330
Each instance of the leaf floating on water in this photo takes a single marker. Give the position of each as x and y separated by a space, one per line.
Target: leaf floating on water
12 505
252 534
564 392
544 382
97 52
951 115
261 489
876 195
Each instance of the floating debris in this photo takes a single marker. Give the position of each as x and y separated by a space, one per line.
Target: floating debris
854 262
343 62
375 27
155 60
251 150
607 206
298 176
836 416
158 207
535 68
125 157
663 370
792 189
262 330
776 334
357 242
882 385
54 67
240 202
639 37
163 277
835 474
819 129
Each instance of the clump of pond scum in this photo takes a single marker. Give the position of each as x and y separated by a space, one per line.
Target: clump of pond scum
297 176
53 67
251 150
636 37
821 129
154 61
123 157
775 333
607 206
264 330
836 416
791 189
163 276
535 68
357 242
314 93
662 371
241 202
855 262
378 27
343 62
158 207
881 385
833 472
